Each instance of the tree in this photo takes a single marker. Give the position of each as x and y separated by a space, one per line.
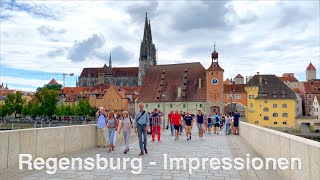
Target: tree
3 111
47 100
69 111
14 104
83 108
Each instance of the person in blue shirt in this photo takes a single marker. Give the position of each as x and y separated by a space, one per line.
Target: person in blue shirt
200 121
101 115
236 117
216 119
209 122
188 121
141 126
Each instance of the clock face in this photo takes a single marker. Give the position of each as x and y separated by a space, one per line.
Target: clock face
214 81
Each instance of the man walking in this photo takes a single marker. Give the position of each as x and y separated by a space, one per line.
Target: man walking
216 119
176 118
236 122
188 121
200 121
141 125
156 124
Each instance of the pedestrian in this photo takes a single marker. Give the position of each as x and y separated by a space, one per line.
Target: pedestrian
188 121
126 126
176 118
222 122
200 121
101 127
209 122
236 117
216 119
141 125
181 122
227 124
170 123
156 124
112 124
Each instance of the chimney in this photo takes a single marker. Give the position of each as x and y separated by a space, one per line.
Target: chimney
179 91
199 83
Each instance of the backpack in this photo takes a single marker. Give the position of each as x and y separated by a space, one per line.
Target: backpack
216 118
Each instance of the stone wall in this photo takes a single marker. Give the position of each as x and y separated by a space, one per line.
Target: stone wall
46 142
274 144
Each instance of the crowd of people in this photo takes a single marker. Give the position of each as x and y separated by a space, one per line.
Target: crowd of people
110 124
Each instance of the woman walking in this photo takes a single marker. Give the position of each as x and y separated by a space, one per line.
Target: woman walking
112 124
126 126
228 123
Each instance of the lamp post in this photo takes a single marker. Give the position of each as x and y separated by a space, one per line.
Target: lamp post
187 106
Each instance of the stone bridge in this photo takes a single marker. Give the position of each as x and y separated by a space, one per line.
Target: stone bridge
80 141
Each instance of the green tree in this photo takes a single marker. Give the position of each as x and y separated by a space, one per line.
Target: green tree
14 104
69 111
35 109
83 108
47 100
3 111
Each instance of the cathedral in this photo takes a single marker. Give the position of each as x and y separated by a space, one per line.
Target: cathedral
123 76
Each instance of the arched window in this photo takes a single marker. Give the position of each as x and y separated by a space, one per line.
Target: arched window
275 114
284 114
275 105
265 109
284 105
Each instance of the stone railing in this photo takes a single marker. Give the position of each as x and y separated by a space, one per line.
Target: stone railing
275 144
46 142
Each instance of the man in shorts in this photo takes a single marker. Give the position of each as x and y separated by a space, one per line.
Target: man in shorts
236 117
188 121
216 120
200 124
176 119
209 122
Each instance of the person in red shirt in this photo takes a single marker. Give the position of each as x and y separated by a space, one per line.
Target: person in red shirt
176 119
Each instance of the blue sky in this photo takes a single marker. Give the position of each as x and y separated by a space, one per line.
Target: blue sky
39 38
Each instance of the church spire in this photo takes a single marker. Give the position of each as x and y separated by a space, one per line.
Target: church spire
110 62
146 29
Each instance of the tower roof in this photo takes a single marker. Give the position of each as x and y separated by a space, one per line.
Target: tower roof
214 54
311 67
53 81
239 76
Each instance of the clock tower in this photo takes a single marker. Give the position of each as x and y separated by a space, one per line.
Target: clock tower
214 76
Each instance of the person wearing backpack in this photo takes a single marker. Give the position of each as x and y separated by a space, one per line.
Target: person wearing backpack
141 126
101 115
126 126
216 123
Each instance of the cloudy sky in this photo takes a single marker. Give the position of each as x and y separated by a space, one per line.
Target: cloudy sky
41 38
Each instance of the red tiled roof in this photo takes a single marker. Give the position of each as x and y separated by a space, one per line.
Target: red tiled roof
125 71
227 81
93 72
239 88
311 67
5 92
311 87
296 90
215 64
161 83
53 81
288 79
239 76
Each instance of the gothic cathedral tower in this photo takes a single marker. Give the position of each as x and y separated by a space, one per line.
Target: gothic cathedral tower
147 52
215 85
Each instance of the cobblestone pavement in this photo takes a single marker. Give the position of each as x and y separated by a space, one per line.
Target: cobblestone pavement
212 146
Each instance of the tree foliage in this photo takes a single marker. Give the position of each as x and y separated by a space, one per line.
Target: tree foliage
14 104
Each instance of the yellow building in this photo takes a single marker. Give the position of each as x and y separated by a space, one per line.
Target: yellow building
270 102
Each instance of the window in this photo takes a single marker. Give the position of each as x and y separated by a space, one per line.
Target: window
265 109
251 105
266 118
275 95
284 105
284 122
158 105
146 105
275 114
275 122
275 105
170 105
284 114
229 96
251 96
200 105
184 106
265 101
256 122
238 96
